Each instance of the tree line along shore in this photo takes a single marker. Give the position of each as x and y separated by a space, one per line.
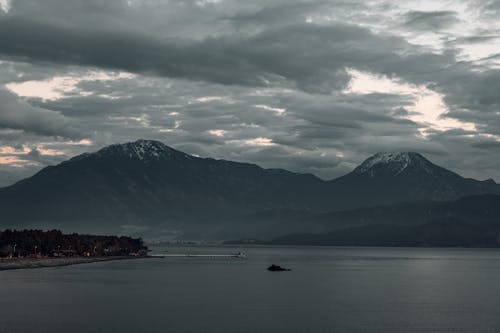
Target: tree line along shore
39 244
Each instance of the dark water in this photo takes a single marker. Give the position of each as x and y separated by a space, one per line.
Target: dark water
328 290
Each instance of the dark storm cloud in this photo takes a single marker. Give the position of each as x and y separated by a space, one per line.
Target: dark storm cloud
20 72
472 39
487 145
491 6
311 56
473 97
430 20
212 60
18 114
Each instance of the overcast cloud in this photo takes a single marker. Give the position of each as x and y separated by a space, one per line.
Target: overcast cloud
312 86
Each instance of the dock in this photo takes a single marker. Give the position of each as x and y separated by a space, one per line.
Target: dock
189 255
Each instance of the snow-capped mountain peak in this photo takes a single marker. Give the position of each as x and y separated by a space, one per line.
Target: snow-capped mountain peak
393 163
142 150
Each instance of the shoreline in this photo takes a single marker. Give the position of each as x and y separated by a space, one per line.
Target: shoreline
31 263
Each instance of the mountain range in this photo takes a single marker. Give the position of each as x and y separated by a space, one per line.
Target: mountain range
147 188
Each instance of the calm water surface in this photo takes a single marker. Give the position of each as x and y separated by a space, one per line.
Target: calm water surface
328 290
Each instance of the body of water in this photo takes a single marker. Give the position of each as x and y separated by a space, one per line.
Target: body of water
328 290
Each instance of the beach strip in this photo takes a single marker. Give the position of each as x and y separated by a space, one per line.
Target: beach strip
27 263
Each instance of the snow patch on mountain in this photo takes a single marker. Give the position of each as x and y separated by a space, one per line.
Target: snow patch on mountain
142 150
396 163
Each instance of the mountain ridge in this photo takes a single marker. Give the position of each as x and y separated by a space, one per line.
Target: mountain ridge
158 150
149 185
467 222
411 175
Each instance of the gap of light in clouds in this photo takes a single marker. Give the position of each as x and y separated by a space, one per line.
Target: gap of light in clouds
428 107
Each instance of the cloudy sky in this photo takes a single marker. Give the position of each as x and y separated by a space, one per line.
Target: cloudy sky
308 85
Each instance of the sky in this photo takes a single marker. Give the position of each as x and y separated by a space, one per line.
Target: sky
311 86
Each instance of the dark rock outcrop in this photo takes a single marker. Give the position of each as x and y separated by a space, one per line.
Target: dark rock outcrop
276 268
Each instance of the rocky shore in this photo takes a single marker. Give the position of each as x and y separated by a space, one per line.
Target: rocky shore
26 263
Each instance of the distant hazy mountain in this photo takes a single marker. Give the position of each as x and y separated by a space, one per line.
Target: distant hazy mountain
470 221
475 209
148 187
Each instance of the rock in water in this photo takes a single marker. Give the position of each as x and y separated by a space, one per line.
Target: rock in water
275 268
